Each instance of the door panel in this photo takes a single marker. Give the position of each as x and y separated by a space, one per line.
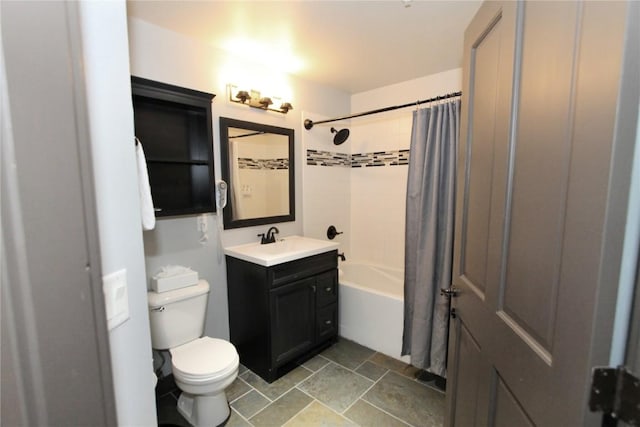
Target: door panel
471 379
541 168
508 412
531 208
485 62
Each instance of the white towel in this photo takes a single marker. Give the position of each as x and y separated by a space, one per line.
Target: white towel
146 203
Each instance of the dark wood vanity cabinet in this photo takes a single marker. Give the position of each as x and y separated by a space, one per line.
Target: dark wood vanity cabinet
283 313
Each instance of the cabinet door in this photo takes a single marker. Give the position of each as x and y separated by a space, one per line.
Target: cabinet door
292 320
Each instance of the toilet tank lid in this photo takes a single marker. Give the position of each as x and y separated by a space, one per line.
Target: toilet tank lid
158 299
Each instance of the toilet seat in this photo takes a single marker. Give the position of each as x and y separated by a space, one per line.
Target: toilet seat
204 360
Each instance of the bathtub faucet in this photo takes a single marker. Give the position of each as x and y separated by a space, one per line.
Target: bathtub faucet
341 256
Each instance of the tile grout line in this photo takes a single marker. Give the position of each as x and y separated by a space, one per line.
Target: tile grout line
267 397
364 392
383 410
370 403
430 386
388 413
313 399
373 385
306 406
261 409
334 411
243 394
414 378
259 392
243 417
285 392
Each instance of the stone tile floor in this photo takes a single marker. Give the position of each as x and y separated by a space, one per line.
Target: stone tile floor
346 385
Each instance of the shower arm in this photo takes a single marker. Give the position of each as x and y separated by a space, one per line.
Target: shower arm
308 123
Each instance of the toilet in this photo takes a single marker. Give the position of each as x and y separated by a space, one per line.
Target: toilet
202 366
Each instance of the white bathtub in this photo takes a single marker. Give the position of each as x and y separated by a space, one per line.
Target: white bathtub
372 307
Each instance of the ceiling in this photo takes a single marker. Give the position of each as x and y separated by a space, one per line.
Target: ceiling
353 46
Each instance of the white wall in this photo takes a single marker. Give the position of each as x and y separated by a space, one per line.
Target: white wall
327 189
165 56
106 66
378 193
368 203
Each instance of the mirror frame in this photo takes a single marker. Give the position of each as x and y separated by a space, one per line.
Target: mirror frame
229 222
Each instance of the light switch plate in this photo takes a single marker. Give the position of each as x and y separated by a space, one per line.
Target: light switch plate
116 298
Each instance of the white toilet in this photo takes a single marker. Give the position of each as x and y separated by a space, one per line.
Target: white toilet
202 366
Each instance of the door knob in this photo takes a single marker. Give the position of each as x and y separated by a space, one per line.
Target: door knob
451 292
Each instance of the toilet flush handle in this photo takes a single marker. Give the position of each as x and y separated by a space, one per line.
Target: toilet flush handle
159 309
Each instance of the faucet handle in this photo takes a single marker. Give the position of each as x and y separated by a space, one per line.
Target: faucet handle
332 232
263 240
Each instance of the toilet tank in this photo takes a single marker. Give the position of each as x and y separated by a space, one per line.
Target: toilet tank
177 317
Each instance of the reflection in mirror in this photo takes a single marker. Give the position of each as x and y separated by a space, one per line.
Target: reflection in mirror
257 164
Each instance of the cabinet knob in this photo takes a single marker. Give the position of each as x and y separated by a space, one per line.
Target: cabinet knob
328 289
313 287
327 322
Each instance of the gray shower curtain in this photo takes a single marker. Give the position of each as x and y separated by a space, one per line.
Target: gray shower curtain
429 234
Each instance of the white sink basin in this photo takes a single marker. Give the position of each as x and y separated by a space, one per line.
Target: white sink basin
283 250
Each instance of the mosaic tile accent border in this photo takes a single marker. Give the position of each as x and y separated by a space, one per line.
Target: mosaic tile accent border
378 158
272 164
327 158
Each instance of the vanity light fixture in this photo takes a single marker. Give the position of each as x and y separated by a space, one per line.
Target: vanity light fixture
254 99
265 102
243 96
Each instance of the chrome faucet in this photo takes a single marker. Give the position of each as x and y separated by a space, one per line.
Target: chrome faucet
270 236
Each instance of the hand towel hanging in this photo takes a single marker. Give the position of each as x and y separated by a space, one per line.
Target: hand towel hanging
147 211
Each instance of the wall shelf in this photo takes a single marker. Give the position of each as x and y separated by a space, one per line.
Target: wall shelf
175 128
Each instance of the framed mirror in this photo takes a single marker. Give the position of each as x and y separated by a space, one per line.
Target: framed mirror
258 166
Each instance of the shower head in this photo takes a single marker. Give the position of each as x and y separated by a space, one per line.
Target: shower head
341 135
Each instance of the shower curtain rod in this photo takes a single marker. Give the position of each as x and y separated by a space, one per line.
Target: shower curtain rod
308 123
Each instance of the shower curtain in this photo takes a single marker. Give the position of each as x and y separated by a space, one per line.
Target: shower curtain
236 182
429 234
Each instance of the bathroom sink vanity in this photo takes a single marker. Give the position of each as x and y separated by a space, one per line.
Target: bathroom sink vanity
283 305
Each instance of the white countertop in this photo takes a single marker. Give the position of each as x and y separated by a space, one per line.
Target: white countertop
283 250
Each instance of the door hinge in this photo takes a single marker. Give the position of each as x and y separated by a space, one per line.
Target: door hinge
615 392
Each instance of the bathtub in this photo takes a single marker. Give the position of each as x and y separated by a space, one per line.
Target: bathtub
372 307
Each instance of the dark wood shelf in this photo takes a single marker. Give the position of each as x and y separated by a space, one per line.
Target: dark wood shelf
175 128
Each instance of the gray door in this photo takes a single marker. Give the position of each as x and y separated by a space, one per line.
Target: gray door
55 368
542 191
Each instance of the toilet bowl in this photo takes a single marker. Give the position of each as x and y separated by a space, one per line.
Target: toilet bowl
203 367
